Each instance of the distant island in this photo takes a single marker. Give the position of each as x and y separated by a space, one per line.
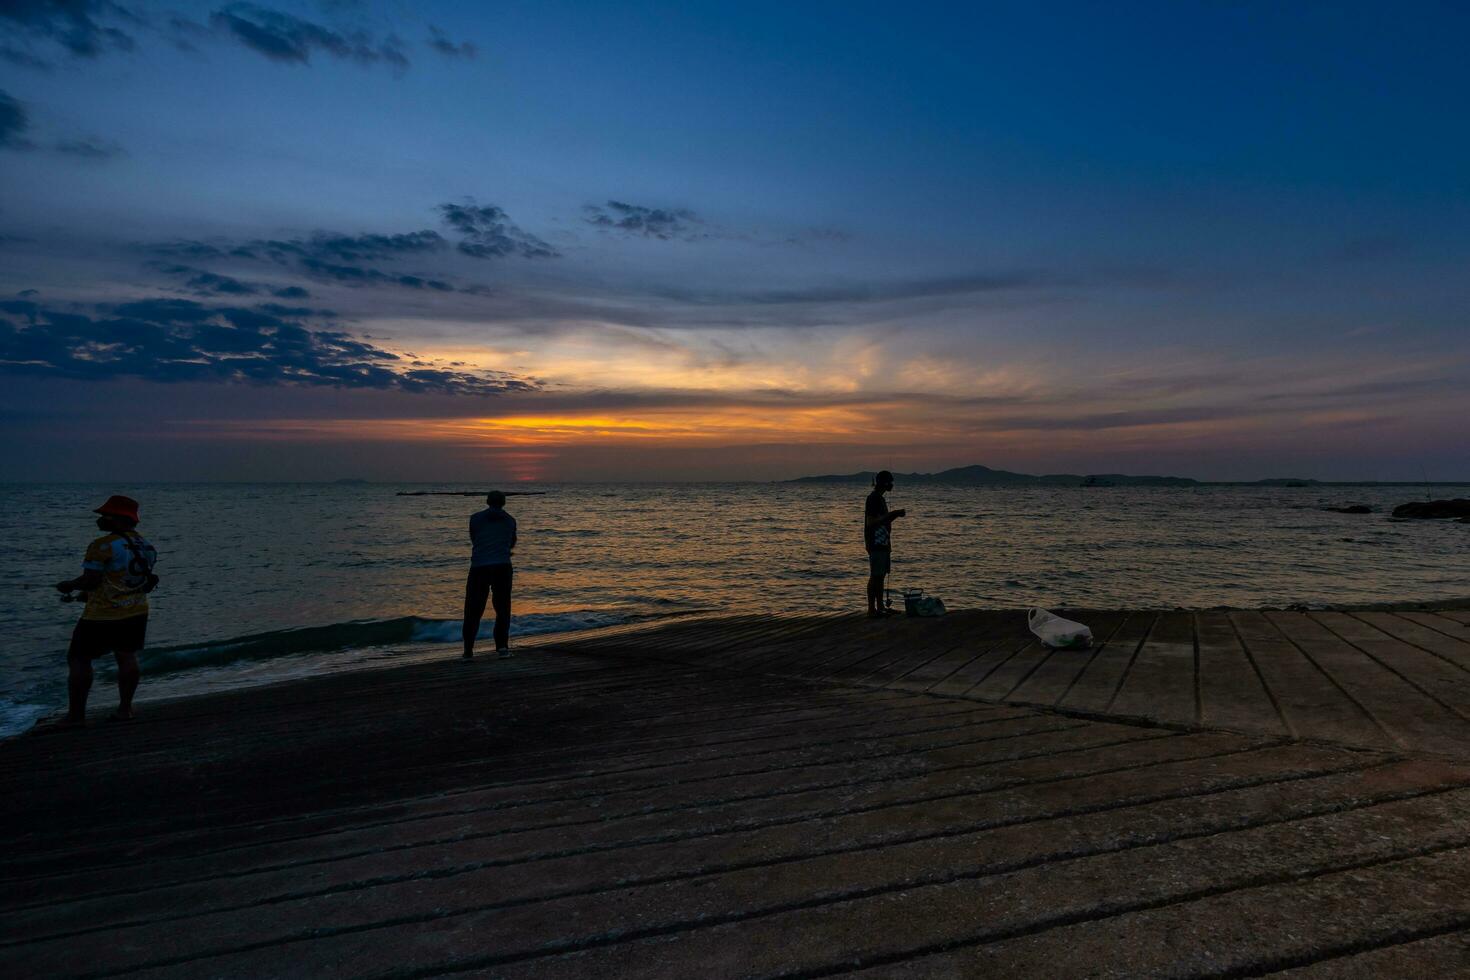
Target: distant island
984 476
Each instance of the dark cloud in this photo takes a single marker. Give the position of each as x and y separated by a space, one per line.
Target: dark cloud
490 234
288 39
207 283
485 232
187 249
644 222
356 275
280 309
13 124
174 340
326 257
322 246
76 25
89 148
843 293
440 43
348 248
24 59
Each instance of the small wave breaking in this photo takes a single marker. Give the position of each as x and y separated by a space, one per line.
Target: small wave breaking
399 631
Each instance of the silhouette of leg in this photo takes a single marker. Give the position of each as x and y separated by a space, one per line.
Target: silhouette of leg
78 686
877 572
476 591
79 672
500 587
127 682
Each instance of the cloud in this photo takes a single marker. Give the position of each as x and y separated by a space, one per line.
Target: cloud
490 234
323 256
323 246
288 39
190 249
881 292
89 148
23 59
175 340
635 220
440 43
356 275
72 24
349 248
207 283
13 124
483 231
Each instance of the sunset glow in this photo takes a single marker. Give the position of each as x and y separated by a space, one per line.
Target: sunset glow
1075 248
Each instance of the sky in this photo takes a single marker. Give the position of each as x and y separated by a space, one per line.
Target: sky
713 241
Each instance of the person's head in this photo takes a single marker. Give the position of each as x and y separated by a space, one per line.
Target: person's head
883 481
118 514
495 499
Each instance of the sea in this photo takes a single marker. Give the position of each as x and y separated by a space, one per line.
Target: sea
267 582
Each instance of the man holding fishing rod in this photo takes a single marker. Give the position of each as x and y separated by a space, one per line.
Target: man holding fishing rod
117 575
877 538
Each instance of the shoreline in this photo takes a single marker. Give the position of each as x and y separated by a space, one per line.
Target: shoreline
432 651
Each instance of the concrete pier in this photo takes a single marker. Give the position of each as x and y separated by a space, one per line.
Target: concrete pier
1203 794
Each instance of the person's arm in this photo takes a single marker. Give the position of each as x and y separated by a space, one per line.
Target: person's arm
85 582
98 554
873 520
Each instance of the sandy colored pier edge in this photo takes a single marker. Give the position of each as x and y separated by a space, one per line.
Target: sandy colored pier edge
1213 793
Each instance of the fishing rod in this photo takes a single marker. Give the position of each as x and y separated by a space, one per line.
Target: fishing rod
467 493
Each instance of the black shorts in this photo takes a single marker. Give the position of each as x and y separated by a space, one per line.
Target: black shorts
95 638
878 561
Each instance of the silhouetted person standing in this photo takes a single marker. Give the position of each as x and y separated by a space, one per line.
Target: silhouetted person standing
493 535
878 539
117 575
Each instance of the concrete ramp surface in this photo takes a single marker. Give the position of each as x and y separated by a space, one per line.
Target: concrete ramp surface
1204 794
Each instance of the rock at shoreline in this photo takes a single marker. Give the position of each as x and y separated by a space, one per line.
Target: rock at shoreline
1434 509
1351 509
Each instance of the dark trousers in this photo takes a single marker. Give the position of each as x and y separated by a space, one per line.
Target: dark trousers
493 582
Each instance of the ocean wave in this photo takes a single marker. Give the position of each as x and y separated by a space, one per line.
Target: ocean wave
402 630
19 716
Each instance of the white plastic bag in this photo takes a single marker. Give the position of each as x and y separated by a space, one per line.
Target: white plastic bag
1058 633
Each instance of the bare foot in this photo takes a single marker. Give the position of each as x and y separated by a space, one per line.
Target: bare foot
121 715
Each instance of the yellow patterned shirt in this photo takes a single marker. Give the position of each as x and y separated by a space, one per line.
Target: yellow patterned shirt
125 561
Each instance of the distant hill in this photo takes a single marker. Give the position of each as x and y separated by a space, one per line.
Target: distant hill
984 476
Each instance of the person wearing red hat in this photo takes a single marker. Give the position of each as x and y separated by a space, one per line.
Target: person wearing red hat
117 575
